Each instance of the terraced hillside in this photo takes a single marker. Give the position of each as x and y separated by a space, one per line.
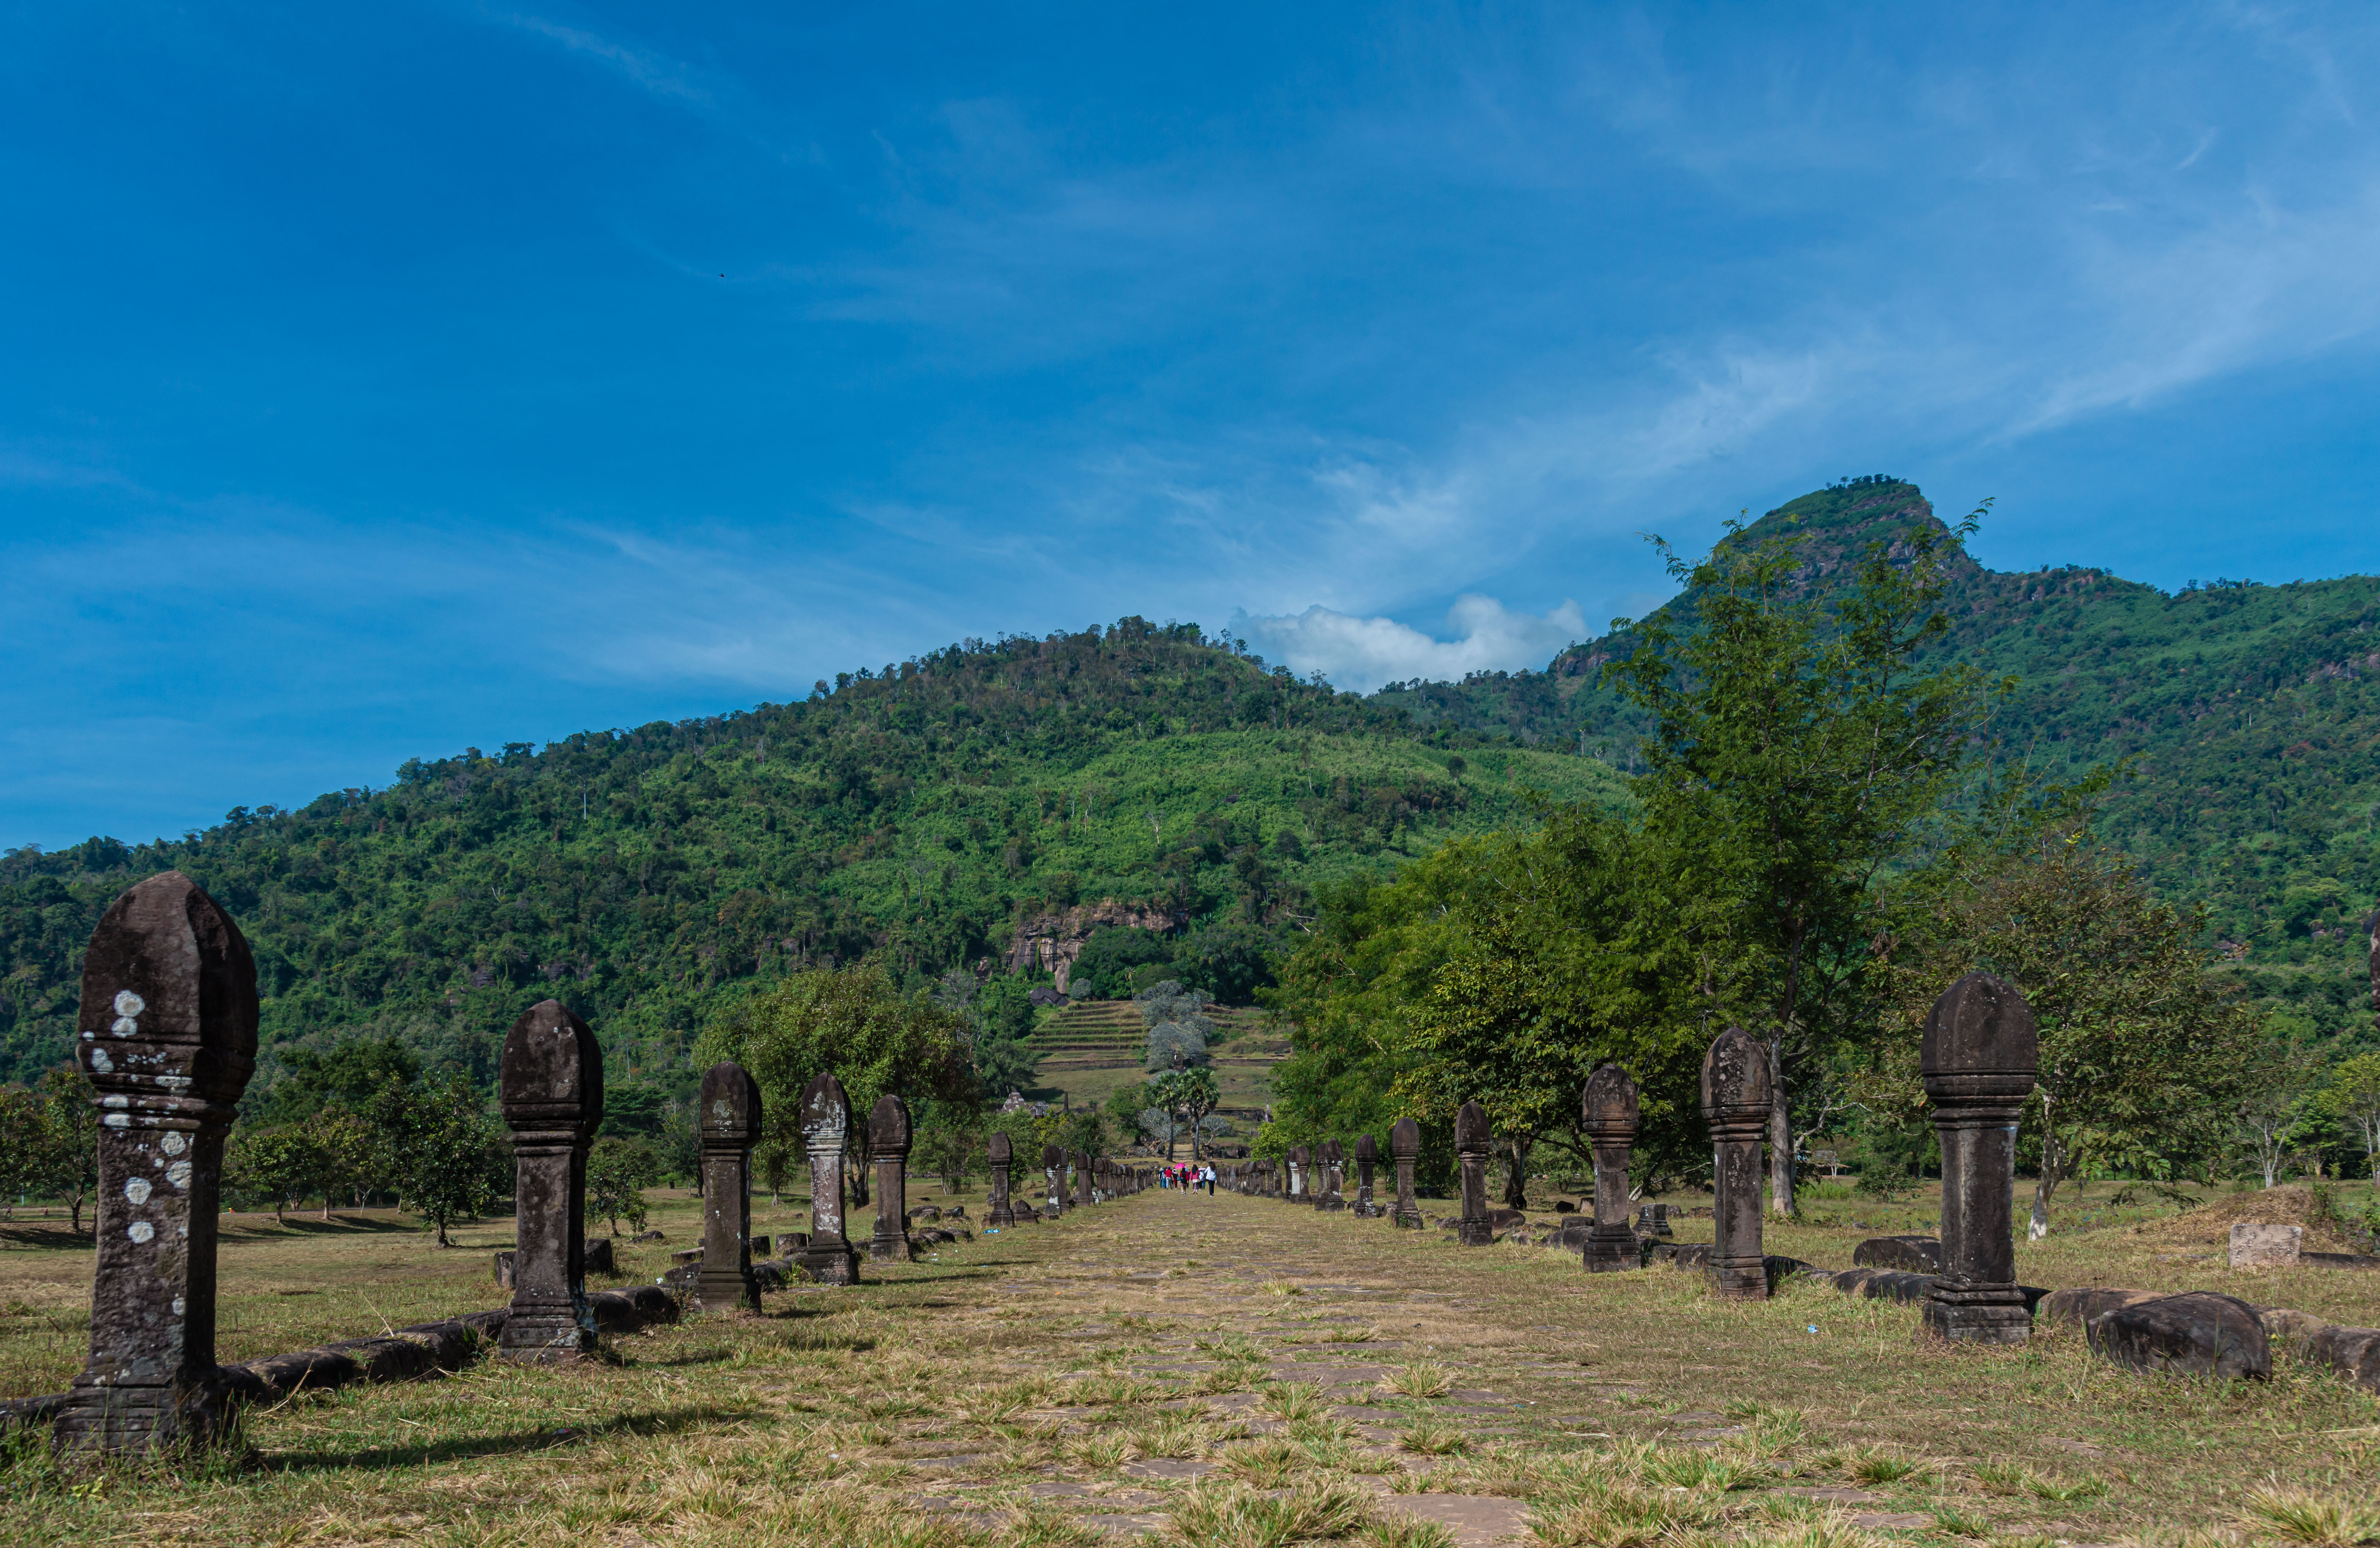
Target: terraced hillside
1090 1049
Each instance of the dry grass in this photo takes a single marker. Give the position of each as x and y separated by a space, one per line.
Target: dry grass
1026 1383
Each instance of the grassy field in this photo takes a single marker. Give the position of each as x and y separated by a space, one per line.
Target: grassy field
1236 1372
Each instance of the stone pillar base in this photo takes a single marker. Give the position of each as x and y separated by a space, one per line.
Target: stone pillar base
1368 1212
1474 1233
726 1292
119 1420
545 1339
1406 1219
892 1249
837 1264
1326 1206
1613 1253
1731 1281
1979 1314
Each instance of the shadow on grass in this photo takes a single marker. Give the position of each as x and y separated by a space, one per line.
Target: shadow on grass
235 1228
666 1422
26 1233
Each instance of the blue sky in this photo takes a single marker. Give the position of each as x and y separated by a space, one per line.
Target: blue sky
379 381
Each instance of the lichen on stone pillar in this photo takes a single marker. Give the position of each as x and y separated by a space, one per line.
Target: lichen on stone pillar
549 1088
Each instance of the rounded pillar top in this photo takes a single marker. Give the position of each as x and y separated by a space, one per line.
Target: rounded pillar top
1404 1139
1980 1041
730 1106
1735 1077
1367 1148
1051 1156
1002 1149
168 973
552 1071
1301 1154
1610 1105
887 1126
826 1114
1472 1136
1333 1153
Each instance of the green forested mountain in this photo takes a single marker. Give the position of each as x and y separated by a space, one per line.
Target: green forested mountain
2249 715
935 808
926 811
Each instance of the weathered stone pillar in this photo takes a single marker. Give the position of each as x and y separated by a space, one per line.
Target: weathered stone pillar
1472 1146
1609 1108
1736 1089
1979 1059
168 1041
1367 1156
1404 1148
888 1141
1300 1170
1054 1174
731 1122
1001 1151
1333 1159
826 1127
1082 1178
550 1088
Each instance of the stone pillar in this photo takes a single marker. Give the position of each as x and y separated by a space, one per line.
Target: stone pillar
731 1122
1053 1174
1300 1165
1333 1157
1367 1156
1404 1148
1609 1108
168 1041
1082 1178
1472 1146
550 1089
1979 1057
826 1126
1002 1151
1736 1087
888 1139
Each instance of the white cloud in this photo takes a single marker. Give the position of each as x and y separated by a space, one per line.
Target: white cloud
1362 653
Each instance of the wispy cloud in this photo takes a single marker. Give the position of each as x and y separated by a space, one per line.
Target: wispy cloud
1360 654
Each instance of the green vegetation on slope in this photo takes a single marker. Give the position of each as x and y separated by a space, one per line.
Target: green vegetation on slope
654 877
2249 714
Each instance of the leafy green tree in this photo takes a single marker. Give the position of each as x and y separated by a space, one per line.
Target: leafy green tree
446 1159
1108 957
618 1171
24 1142
680 1146
273 1163
348 1154
348 1073
1178 1026
2144 1054
854 1023
951 1150
2354 1100
1798 747
70 1152
1190 1093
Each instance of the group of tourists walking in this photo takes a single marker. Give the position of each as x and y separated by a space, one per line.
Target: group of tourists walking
1193 1177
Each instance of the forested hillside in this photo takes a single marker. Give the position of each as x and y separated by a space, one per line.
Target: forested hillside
2249 715
936 808
926 811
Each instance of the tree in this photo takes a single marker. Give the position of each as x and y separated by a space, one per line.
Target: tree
1797 747
71 1151
854 1023
2143 1052
2354 1098
1192 1091
275 1163
950 1150
618 1170
24 1142
2269 1114
1178 1028
348 1154
448 1163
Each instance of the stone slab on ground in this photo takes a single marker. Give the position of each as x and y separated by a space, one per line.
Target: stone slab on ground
1475 1520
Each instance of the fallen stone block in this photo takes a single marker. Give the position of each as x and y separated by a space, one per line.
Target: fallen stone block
2197 1333
2354 1352
635 1307
2254 1245
2079 1305
2338 1259
1907 1254
643 1237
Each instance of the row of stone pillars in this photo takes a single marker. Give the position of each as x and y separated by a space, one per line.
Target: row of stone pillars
1979 1058
167 1039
